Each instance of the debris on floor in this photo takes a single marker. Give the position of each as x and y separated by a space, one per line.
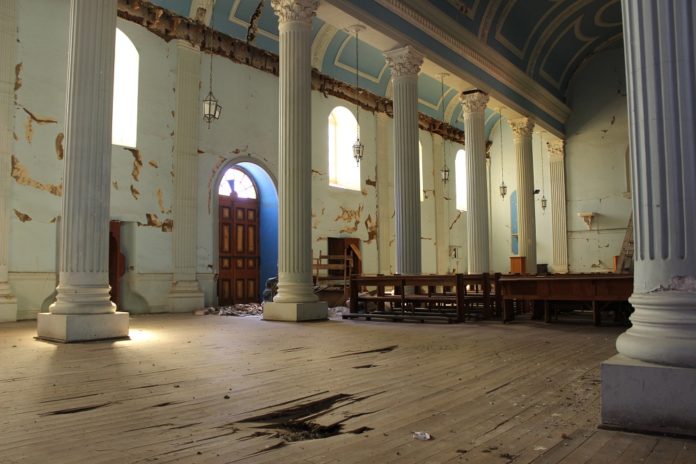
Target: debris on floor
421 435
241 309
337 312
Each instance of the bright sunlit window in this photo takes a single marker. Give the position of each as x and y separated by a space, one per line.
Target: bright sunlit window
460 179
125 115
420 170
235 179
344 171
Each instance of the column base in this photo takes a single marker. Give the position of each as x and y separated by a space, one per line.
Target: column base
69 328
8 309
185 296
645 397
296 312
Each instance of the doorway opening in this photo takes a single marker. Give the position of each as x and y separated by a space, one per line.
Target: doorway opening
247 232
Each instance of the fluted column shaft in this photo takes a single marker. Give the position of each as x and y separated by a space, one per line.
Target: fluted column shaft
473 106
405 64
559 229
185 294
83 286
8 53
522 135
385 194
441 224
295 156
661 71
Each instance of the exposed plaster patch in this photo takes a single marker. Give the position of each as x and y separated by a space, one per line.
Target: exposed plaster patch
154 221
160 202
59 145
21 176
459 214
18 80
135 192
153 163
21 216
350 215
678 284
137 162
370 182
115 184
371 229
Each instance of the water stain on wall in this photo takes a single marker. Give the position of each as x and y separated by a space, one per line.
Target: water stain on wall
21 216
21 176
59 145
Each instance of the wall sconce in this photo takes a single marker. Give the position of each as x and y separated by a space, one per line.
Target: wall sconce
587 217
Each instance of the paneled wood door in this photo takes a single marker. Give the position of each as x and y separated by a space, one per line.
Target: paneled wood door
238 279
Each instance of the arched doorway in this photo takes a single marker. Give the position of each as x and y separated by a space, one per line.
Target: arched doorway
247 232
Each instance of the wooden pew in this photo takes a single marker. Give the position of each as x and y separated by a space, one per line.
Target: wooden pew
449 297
593 288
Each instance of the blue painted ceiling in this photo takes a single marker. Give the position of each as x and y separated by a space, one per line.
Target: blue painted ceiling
547 39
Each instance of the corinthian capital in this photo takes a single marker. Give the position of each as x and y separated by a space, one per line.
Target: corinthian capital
474 101
556 149
295 10
404 61
522 127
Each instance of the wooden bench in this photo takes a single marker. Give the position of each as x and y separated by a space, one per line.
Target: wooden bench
448 298
592 288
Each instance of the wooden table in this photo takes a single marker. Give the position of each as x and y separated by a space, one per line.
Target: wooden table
565 287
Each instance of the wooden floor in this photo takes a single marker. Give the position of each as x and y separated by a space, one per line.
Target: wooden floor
211 389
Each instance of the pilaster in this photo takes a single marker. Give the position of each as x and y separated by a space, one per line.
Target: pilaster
522 134
441 191
186 294
405 65
8 53
385 194
559 230
83 310
295 300
473 105
650 384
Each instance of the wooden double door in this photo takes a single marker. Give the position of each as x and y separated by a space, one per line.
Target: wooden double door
238 276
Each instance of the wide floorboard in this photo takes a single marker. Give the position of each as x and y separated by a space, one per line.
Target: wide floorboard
211 389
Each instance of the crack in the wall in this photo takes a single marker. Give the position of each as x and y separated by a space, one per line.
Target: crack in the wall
21 176
22 216
459 215
29 123
134 191
153 163
59 145
18 80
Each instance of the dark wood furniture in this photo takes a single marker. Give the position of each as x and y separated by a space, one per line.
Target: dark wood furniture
448 297
518 265
593 288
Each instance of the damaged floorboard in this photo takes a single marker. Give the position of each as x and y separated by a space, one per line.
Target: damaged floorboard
189 389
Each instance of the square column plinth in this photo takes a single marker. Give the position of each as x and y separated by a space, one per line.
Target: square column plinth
68 328
646 397
296 312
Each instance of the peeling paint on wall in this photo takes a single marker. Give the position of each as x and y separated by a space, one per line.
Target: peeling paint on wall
21 176
370 182
154 221
21 216
137 163
135 192
160 202
316 218
153 163
59 145
459 214
115 184
18 80
371 229
350 215
314 171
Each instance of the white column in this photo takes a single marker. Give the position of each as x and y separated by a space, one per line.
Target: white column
650 385
559 230
8 49
473 105
83 310
405 64
295 300
185 294
385 193
522 134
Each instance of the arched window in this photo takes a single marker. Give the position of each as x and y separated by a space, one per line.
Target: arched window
344 171
124 127
237 180
420 170
460 179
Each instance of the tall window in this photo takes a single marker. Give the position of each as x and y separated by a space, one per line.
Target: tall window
344 171
235 179
420 170
460 179
125 116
